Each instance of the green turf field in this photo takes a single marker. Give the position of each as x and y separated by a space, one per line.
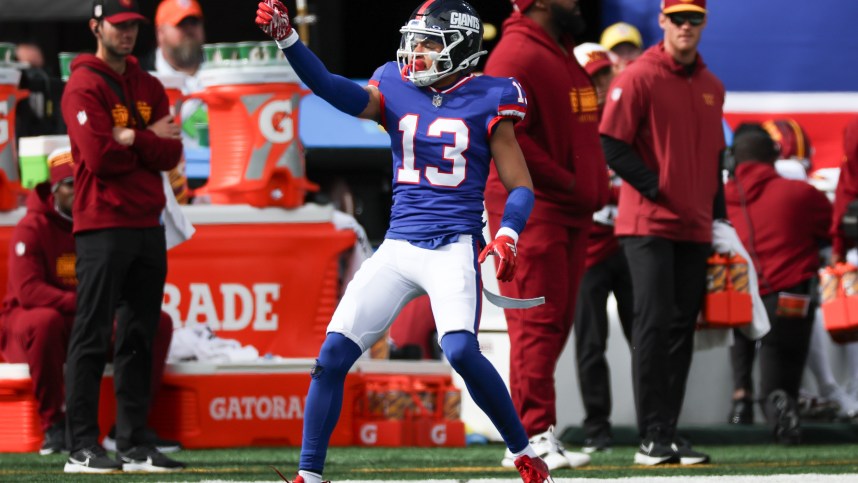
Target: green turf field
420 464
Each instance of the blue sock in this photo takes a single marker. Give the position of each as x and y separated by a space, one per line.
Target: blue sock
485 386
325 399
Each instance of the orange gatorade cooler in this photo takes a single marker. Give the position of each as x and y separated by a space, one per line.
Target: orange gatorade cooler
20 430
230 405
10 182
257 156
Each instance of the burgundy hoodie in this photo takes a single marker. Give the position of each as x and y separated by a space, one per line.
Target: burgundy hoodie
672 119
780 222
41 257
847 187
559 136
116 186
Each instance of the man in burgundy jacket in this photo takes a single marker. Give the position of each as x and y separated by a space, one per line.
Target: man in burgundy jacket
122 138
560 140
781 223
39 307
847 191
662 135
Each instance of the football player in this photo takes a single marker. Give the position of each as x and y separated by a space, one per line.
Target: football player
445 126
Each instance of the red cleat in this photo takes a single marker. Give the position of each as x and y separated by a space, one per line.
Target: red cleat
298 478
533 470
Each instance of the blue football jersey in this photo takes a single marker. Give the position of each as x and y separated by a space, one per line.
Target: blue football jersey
441 151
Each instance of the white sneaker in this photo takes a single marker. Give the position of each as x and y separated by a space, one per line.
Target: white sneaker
852 388
848 404
551 450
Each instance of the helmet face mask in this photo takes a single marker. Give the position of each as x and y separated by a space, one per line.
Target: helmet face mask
452 25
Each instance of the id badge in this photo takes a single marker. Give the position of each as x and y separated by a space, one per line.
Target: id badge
792 305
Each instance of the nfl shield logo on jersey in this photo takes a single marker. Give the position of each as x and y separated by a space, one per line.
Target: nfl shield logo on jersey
437 99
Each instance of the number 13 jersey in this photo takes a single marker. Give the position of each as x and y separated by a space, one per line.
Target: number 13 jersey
441 151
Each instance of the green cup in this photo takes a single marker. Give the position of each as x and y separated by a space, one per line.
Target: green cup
202 133
7 52
66 59
225 53
209 52
271 52
250 52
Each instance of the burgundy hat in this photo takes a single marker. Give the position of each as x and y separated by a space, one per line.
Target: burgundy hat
522 5
61 166
117 11
673 6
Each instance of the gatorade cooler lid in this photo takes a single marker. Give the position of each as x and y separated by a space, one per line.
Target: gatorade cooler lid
170 81
274 74
9 77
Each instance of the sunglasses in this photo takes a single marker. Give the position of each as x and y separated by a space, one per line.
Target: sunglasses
696 19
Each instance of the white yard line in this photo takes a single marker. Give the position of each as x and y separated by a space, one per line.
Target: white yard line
807 478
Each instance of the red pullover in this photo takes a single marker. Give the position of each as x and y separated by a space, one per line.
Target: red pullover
672 119
559 136
116 186
780 222
847 188
42 257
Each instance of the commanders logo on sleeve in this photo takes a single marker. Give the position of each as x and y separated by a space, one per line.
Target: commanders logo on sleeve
616 94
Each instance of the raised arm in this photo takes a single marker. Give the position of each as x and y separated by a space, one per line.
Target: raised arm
364 102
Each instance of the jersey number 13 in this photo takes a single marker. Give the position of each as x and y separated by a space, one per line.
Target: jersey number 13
408 174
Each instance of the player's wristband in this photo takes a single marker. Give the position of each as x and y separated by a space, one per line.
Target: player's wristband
505 230
519 204
289 41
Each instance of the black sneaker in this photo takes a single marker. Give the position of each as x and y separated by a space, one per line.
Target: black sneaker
688 456
742 412
652 452
92 459
600 443
150 438
782 414
147 458
55 439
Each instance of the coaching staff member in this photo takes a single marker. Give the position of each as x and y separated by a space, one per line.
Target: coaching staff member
122 137
662 135
559 137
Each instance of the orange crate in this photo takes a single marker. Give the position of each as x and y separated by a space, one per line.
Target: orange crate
727 309
841 318
407 409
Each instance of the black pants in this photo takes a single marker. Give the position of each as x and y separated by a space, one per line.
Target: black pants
121 274
591 336
669 280
783 351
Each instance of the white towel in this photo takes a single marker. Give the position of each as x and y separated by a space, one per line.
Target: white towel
725 239
177 228
198 342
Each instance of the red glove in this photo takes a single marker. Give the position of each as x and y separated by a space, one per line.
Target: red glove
502 247
273 18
